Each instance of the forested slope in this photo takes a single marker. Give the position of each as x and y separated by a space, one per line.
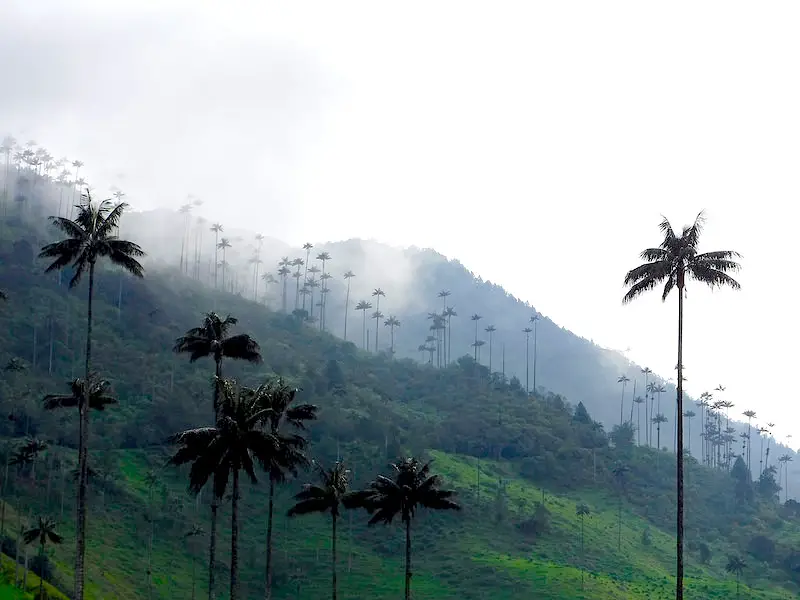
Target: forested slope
521 464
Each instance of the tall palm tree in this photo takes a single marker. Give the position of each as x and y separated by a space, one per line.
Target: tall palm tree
89 238
582 511
647 394
284 420
347 277
308 246
411 487
326 497
535 320
750 414
283 272
297 263
735 566
624 381
658 420
391 323
490 330
620 471
638 400
324 278
150 482
449 313
212 339
43 532
689 415
527 331
323 257
475 318
185 210
223 245
364 306
377 293
785 459
237 442
217 229
676 260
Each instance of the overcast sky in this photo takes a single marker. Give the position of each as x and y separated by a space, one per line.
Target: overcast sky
537 142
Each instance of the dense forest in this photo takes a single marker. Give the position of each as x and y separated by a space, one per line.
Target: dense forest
553 500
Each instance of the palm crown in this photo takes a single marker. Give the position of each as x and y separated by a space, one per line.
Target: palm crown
92 236
212 339
96 390
44 531
327 496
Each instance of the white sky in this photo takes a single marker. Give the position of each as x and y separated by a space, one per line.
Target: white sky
538 142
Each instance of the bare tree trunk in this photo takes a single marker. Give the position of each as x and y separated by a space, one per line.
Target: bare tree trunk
268 581
408 560
333 556
235 536
679 531
212 548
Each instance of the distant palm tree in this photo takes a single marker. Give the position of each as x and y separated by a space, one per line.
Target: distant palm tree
527 331
785 460
44 531
449 313
217 229
212 339
672 263
689 415
268 279
392 322
490 330
284 420
297 263
237 442
535 321
475 318
648 388
624 381
324 278
750 414
185 210
658 420
323 257
444 295
347 277
224 244
377 293
582 510
364 306
327 497
411 487
283 272
638 400
89 238
308 246
620 471
736 566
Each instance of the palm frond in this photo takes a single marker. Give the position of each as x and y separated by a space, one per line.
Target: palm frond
712 277
311 505
242 347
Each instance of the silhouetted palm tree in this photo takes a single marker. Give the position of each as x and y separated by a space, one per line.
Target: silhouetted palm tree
392 322
283 272
284 420
490 330
323 257
297 263
347 277
689 415
90 237
238 442
535 321
624 381
217 229
364 306
735 566
377 293
527 331
212 339
224 244
449 313
750 414
672 263
327 497
620 471
582 511
475 318
195 532
411 487
43 532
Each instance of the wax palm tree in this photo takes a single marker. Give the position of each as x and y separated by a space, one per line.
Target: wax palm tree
33 447
283 272
237 442
648 393
364 306
449 313
658 420
297 263
624 381
323 257
90 237
620 471
391 323
490 330
476 318
377 293
284 421
676 260
43 532
736 567
217 229
327 497
582 511
411 487
347 277
527 331
535 321
212 339
268 279
750 414
223 245
308 246
185 210
689 415
785 459
324 278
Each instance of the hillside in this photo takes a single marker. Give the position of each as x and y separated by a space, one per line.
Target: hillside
521 464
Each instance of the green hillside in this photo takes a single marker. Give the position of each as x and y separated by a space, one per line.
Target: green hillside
521 464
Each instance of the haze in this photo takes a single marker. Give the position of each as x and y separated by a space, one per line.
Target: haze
538 143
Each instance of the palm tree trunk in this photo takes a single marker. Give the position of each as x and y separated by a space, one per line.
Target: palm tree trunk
271 506
346 309
534 354
679 529
619 523
41 570
408 559
194 577
83 411
333 556
621 404
364 333
527 362
235 536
